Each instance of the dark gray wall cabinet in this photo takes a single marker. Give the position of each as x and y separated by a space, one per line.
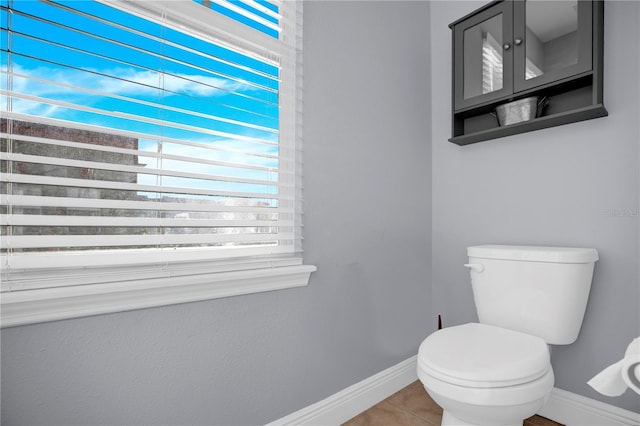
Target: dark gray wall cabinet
510 50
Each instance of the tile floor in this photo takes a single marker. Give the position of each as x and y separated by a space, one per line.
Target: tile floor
412 406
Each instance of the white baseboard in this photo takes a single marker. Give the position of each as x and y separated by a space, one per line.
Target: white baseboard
563 407
348 403
572 409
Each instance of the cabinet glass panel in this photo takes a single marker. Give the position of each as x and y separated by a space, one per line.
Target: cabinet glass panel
551 38
483 58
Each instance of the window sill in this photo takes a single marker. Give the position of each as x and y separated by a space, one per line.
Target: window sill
52 304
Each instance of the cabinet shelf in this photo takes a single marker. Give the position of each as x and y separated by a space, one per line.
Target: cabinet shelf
502 34
580 114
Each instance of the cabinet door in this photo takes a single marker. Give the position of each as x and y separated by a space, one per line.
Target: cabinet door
483 56
552 41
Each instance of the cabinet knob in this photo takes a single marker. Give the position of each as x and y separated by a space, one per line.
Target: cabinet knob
506 46
518 41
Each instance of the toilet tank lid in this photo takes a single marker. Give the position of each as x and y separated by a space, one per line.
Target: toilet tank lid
534 253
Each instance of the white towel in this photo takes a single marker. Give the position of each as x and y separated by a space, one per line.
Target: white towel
616 378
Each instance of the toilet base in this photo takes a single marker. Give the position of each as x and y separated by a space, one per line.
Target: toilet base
503 406
449 419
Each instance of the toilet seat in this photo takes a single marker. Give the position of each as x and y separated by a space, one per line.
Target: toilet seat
515 395
483 356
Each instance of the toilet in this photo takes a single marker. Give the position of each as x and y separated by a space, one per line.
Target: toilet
498 371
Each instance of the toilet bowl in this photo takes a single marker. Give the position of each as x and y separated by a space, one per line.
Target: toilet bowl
485 375
497 372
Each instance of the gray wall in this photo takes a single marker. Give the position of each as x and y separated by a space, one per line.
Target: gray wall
252 359
561 186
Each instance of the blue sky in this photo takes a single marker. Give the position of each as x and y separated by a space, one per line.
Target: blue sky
214 84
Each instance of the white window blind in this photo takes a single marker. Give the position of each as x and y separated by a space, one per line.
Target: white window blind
137 134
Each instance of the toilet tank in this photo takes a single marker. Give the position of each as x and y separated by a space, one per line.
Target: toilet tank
541 291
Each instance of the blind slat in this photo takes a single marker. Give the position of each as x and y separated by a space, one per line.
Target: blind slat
43 261
143 170
34 241
107 221
158 205
111 185
217 150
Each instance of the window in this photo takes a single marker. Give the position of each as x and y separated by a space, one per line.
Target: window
147 145
491 64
